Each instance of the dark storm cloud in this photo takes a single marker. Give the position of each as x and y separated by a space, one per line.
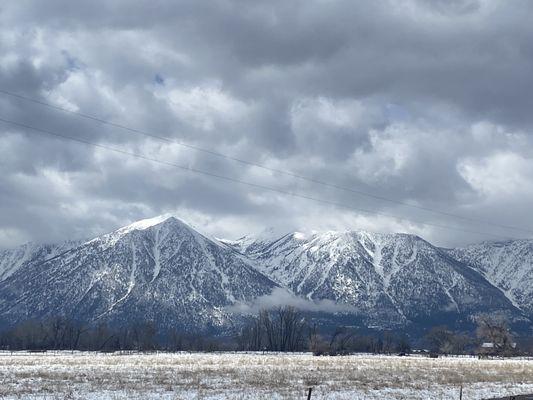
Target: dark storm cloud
426 102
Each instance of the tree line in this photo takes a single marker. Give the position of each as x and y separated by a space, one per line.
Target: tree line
492 338
283 329
286 329
61 333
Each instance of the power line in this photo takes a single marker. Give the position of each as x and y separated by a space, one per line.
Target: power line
234 180
262 166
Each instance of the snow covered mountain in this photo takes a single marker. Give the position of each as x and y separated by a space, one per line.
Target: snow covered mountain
392 279
164 271
159 269
507 265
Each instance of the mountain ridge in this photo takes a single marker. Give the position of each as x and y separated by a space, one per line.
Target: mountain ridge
376 271
164 270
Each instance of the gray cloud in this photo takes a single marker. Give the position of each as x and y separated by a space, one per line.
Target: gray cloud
421 102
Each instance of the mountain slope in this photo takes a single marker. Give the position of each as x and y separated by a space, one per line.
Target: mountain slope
390 278
30 253
160 270
507 265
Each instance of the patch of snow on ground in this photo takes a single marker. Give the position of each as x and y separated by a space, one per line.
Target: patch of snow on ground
256 376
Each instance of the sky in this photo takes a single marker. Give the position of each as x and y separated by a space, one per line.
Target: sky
424 103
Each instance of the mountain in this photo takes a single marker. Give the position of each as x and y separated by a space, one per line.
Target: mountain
164 271
391 279
159 269
507 265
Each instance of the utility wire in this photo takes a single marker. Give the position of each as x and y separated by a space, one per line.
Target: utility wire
234 180
262 166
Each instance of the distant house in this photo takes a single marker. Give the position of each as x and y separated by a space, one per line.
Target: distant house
492 349
490 345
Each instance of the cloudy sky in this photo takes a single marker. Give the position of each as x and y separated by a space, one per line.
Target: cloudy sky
425 103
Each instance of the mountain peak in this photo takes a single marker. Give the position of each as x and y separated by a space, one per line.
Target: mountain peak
147 223
165 220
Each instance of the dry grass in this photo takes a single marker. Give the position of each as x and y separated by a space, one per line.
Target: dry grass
255 376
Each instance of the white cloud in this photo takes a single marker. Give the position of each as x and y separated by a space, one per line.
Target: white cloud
280 297
343 113
391 150
500 176
204 106
11 237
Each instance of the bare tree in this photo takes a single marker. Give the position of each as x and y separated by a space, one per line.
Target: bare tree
495 332
280 329
340 341
388 342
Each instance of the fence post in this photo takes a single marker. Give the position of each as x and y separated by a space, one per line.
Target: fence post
309 393
461 393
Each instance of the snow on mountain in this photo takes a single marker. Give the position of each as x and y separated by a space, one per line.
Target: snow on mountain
507 265
159 269
162 270
249 242
391 278
30 253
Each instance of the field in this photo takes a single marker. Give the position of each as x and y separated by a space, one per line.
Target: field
65 375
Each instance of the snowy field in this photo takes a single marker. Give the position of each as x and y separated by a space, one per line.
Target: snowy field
65 375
